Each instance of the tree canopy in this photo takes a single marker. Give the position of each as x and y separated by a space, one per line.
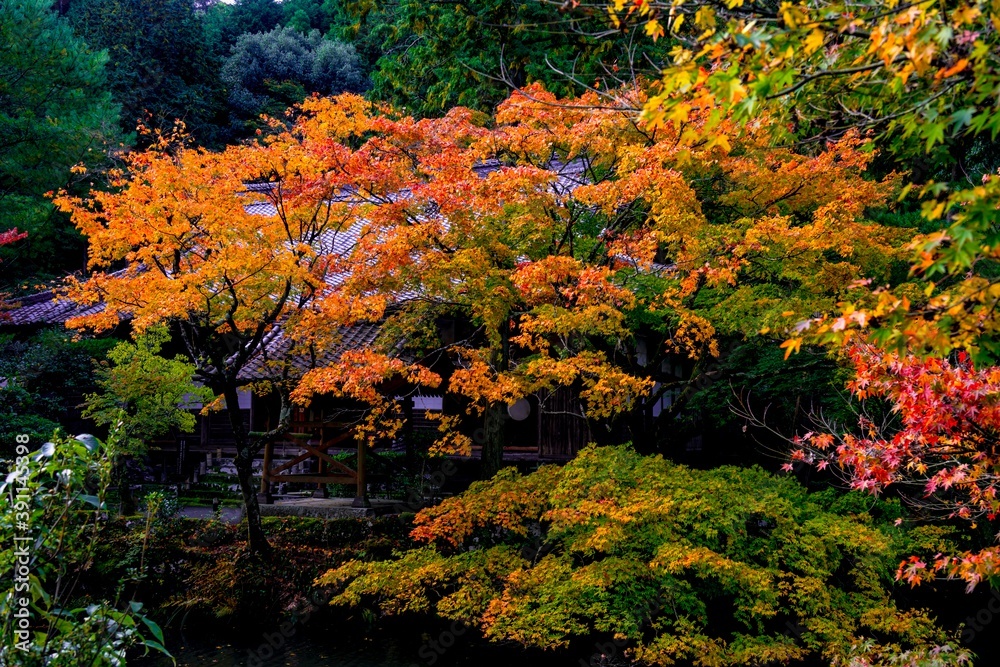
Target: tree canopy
201 258
268 72
143 395
558 236
563 234
722 567
921 79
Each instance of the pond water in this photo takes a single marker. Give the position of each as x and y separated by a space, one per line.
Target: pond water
292 652
332 646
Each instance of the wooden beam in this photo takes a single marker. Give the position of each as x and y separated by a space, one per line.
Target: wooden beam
323 456
313 452
310 479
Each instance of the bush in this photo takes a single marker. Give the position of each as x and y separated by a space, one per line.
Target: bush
46 376
55 497
723 567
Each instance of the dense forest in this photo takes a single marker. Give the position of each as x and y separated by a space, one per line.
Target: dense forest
656 333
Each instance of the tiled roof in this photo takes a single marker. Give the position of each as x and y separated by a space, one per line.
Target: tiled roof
48 308
276 346
42 309
261 208
45 308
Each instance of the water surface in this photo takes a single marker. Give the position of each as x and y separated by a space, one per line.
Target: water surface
304 651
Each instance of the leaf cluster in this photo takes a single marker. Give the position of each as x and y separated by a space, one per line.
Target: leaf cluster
144 394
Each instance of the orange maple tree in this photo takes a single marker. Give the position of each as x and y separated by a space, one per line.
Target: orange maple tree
567 229
223 246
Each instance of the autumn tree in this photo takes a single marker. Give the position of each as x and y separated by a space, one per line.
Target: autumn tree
553 239
567 231
907 71
927 430
7 237
724 567
922 79
219 261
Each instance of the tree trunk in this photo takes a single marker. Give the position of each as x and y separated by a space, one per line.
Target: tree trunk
494 431
411 453
493 440
248 489
245 454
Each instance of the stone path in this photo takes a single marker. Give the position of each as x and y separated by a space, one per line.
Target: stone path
229 514
327 508
320 508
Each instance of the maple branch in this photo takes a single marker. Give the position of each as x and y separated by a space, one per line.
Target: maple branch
788 195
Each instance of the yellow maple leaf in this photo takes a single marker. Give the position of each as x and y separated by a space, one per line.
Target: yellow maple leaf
654 29
791 345
965 14
814 41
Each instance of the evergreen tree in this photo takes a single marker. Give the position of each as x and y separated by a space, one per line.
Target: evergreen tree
54 113
161 68
268 72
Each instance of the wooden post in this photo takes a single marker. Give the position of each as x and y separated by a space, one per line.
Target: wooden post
361 496
321 491
265 482
408 431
